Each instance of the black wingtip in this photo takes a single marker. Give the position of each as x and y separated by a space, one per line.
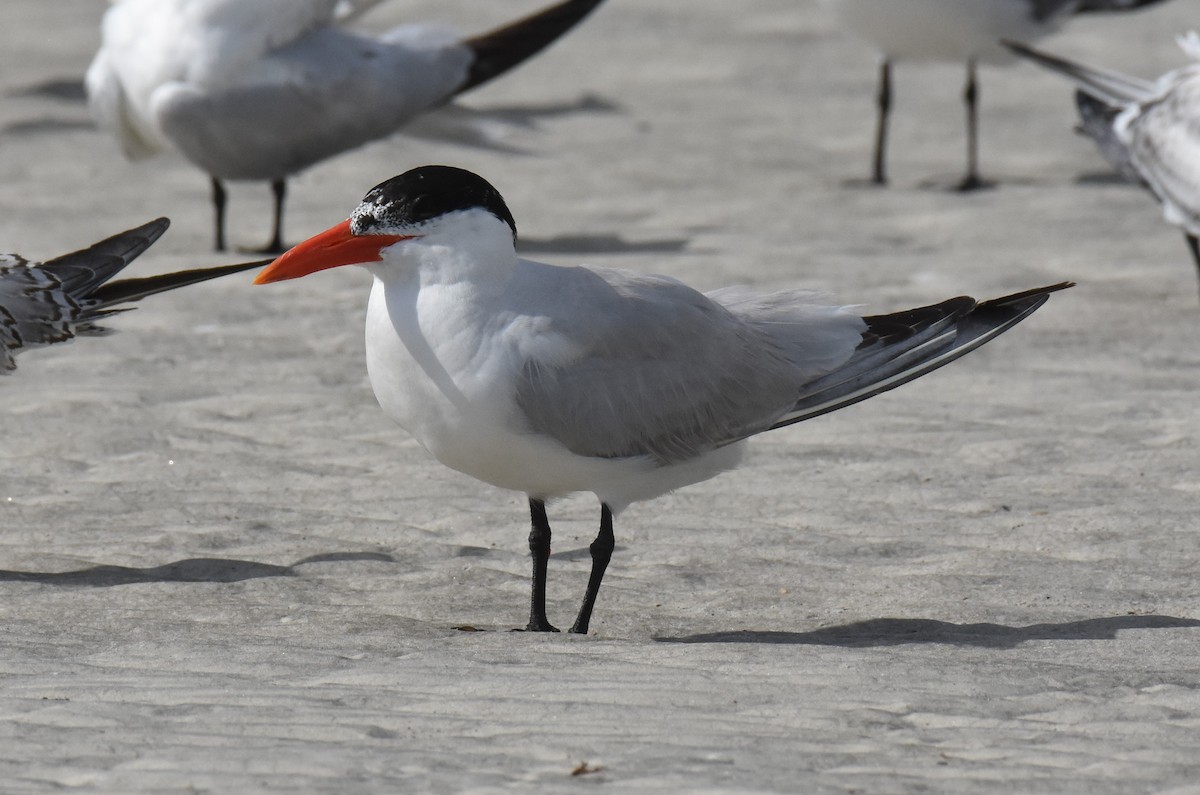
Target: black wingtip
1039 57
925 347
127 245
1092 107
125 290
500 50
1034 298
992 318
1103 6
81 272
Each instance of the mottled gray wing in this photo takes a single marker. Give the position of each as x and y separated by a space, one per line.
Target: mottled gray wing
662 371
44 303
34 309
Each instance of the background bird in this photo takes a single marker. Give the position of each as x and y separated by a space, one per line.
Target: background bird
45 303
1148 130
962 31
260 90
552 380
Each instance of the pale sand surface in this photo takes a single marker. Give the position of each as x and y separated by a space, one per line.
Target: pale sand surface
222 570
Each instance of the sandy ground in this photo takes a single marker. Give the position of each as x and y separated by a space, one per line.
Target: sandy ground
222 570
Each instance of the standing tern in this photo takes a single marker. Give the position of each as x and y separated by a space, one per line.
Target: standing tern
551 380
262 89
1149 130
42 303
961 31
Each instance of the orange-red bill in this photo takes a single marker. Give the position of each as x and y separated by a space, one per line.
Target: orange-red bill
333 247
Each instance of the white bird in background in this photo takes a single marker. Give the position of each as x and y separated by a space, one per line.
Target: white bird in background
960 31
262 89
45 303
1148 130
551 380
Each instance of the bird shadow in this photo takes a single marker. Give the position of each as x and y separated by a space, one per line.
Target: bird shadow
46 125
1103 178
599 244
190 570
906 631
68 89
530 114
496 127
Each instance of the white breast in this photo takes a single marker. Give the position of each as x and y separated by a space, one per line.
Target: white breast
456 397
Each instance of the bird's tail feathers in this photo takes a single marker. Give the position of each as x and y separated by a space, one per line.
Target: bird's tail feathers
900 347
500 50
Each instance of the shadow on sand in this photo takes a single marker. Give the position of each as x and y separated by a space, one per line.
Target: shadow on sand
902 631
190 570
599 244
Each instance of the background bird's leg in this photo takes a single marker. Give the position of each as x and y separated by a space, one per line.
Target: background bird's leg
279 191
971 99
276 246
601 550
218 200
884 100
1194 245
539 548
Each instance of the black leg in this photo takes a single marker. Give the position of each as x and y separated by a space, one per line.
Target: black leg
1194 245
539 547
971 99
276 246
279 191
884 99
218 200
601 550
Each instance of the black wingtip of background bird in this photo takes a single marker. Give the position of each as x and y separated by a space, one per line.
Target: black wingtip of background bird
126 290
1103 6
81 272
85 274
500 50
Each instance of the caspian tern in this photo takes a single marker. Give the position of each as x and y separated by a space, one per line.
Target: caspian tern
1148 130
262 89
45 303
961 31
551 380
